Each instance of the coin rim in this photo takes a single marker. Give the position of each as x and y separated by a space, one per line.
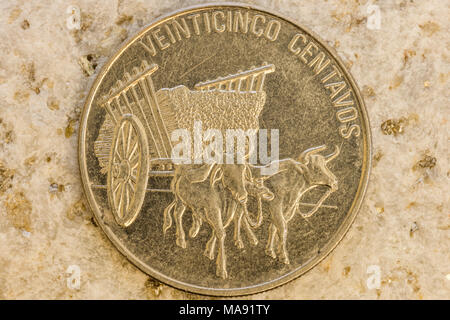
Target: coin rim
264 286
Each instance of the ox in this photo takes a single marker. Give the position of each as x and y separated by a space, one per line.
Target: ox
257 190
293 179
233 180
205 198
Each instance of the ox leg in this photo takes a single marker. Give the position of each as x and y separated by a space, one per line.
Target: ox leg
210 246
221 258
168 216
234 215
271 241
281 226
196 224
250 234
237 229
179 211
215 218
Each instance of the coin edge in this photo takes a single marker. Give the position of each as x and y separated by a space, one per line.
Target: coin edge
265 286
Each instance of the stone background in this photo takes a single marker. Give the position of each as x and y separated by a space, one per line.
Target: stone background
46 70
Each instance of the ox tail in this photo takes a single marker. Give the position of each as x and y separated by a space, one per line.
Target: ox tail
168 211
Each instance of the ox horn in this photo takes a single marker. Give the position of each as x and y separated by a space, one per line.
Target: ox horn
336 152
305 154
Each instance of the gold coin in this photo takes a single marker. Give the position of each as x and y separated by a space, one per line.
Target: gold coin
224 149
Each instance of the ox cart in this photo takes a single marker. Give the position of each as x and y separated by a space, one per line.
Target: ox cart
134 142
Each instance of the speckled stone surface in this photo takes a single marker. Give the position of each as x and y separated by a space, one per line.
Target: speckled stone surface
403 226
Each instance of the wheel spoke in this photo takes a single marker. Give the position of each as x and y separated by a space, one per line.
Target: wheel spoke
130 131
122 131
117 153
131 185
134 162
116 187
133 150
133 178
117 196
127 192
120 205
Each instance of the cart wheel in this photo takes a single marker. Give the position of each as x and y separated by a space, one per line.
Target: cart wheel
128 170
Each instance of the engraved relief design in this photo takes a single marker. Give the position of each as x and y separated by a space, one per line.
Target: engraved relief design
134 144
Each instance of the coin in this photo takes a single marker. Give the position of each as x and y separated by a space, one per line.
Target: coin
224 150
